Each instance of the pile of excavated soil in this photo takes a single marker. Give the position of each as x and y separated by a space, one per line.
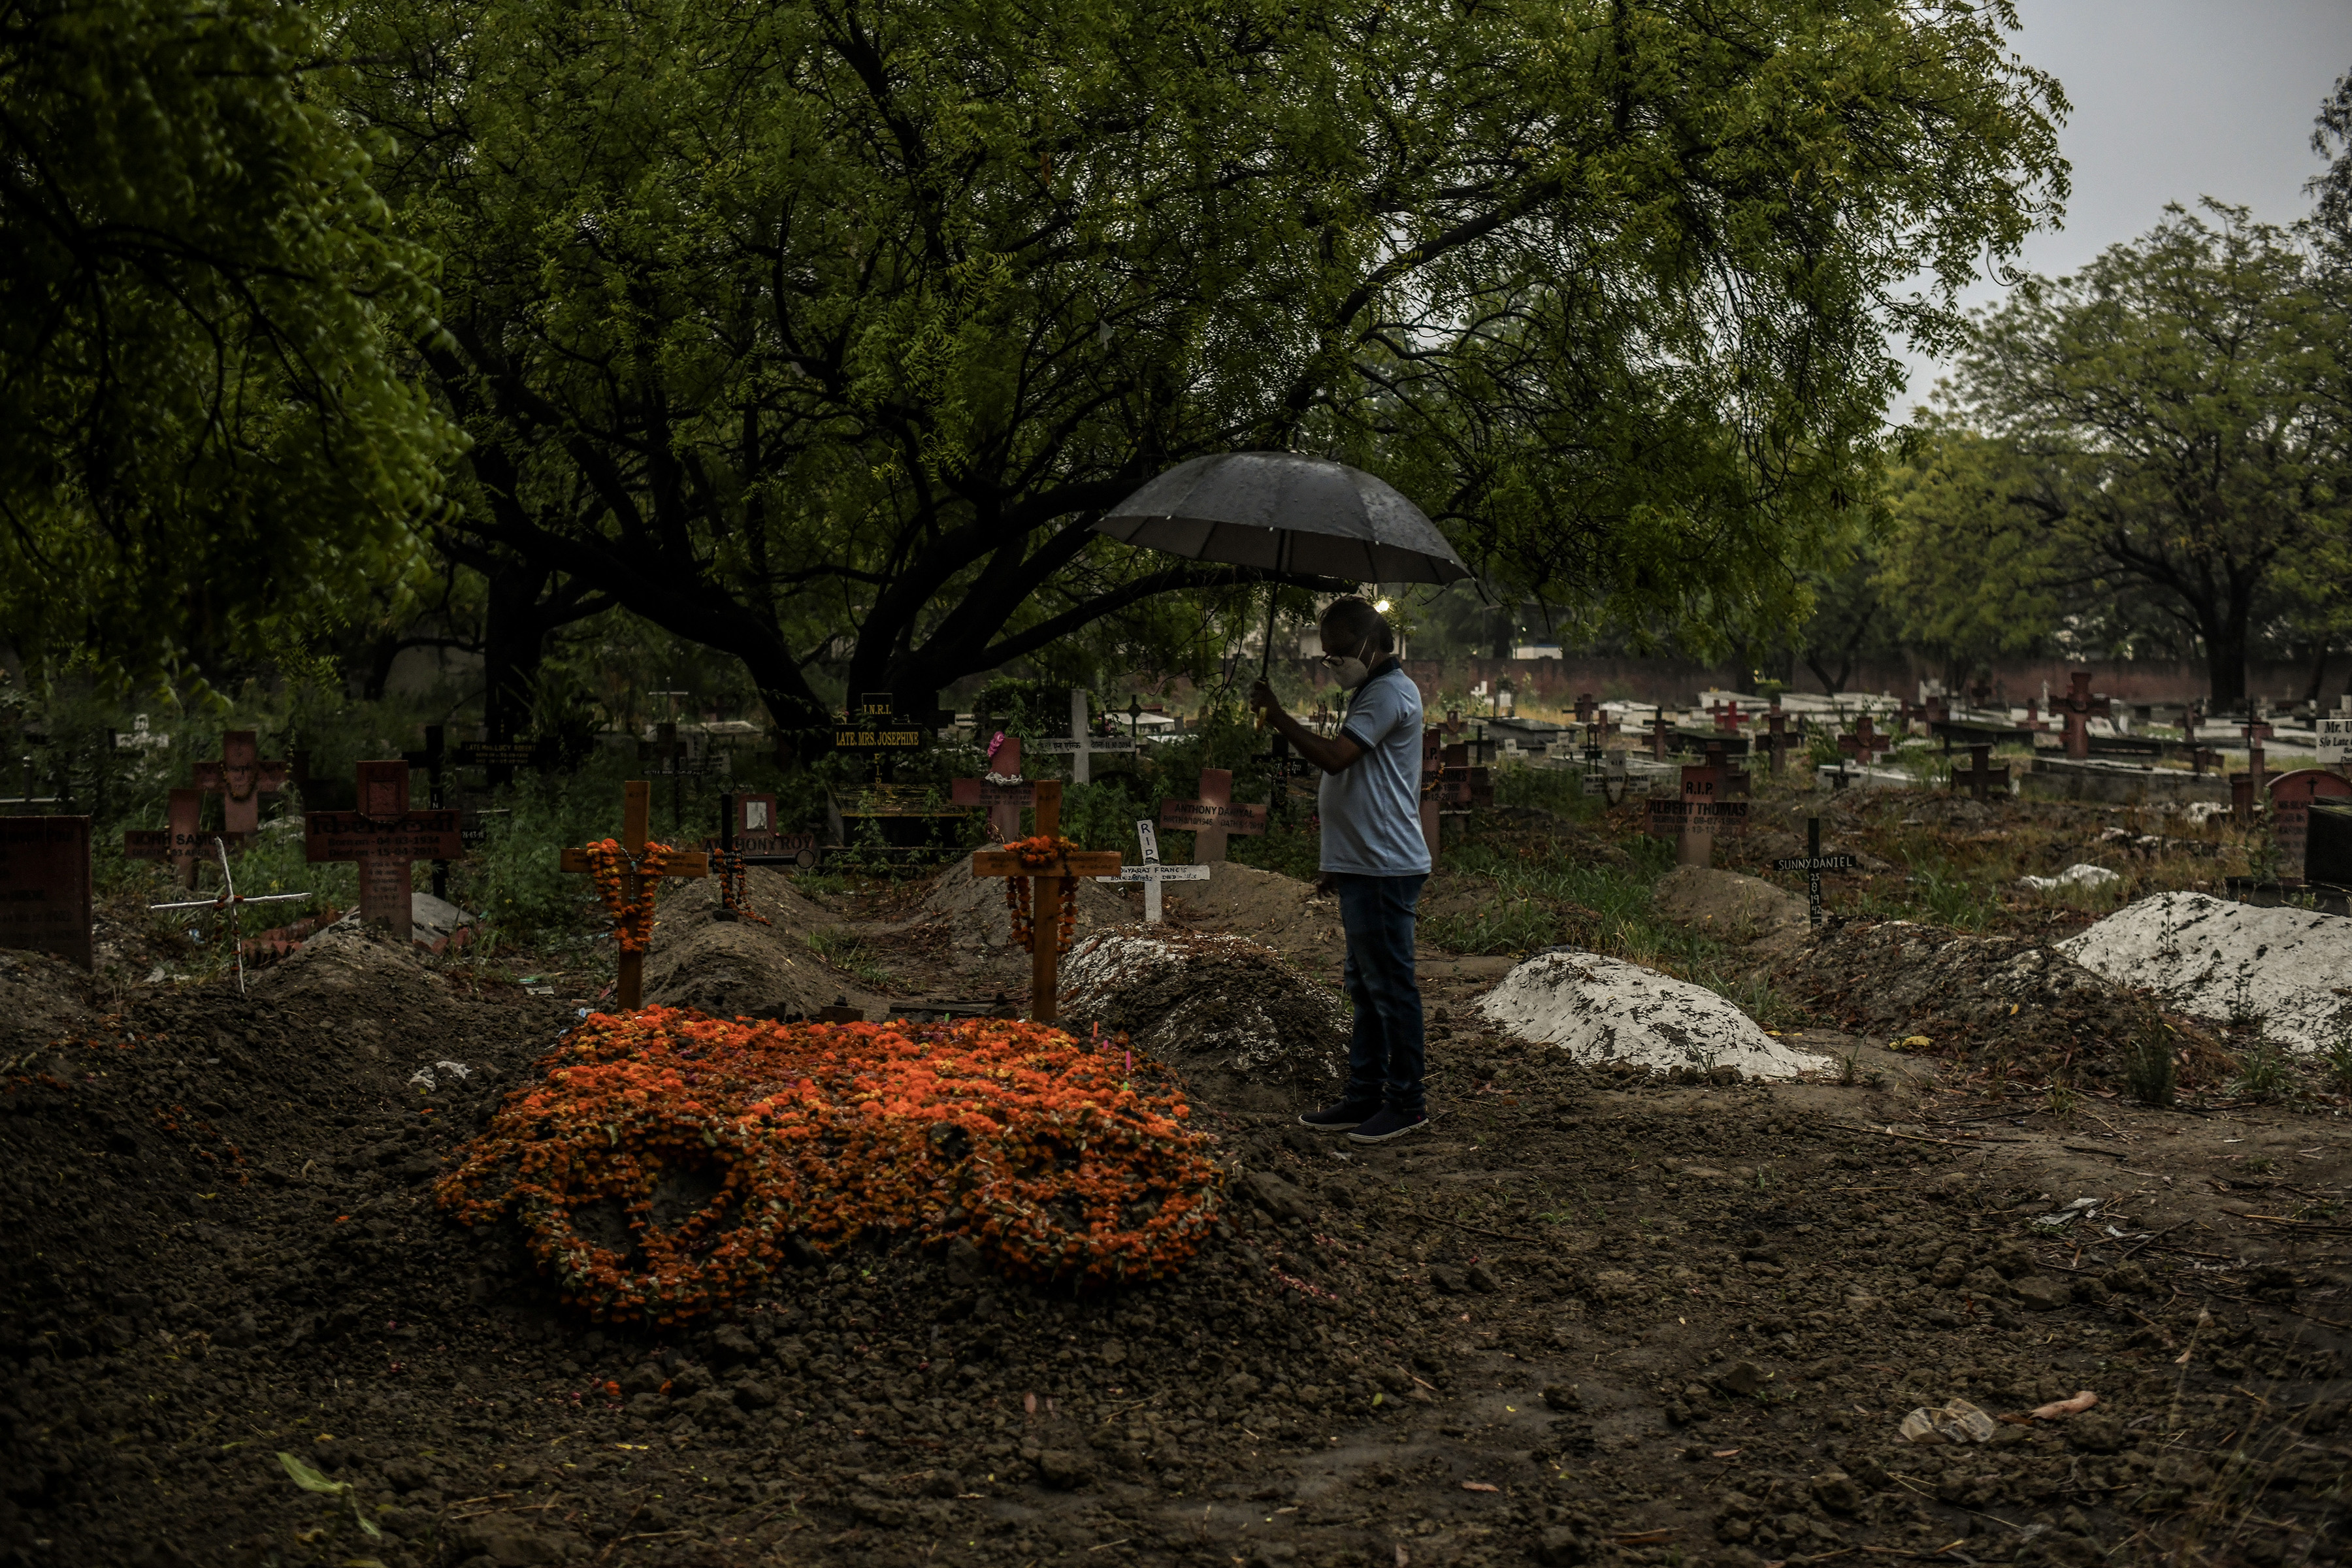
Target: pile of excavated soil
1226 1013
1728 905
43 1000
740 968
1596 1009
2006 1003
1268 908
973 909
2230 963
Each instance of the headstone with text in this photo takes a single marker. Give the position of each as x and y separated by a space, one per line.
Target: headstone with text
1211 817
383 838
44 886
2292 795
240 777
179 843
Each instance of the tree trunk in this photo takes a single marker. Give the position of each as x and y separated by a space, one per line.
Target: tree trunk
2318 672
514 643
2225 655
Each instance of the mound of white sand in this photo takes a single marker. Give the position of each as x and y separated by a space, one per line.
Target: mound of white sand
1603 1009
2228 961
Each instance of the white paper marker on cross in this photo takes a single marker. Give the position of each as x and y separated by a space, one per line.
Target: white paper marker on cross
1151 873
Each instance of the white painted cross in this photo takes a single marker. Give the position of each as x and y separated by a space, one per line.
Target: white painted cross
1082 746
1151 873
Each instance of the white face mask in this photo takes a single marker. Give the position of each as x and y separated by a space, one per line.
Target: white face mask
1349 670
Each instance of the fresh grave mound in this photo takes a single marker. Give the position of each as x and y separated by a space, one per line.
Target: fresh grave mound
1991 1000
2230 963
664 1161
1210 1003
46 999
1278 912
1600 1009
739 966
1726 904
974 908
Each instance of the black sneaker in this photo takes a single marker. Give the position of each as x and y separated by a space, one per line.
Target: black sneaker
1389 1124
1339 1116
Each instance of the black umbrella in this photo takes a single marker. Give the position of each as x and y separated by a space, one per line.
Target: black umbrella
1287 513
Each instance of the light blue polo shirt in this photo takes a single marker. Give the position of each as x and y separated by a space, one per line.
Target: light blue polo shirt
1372 811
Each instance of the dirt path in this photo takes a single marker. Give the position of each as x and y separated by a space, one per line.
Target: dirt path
1584 1320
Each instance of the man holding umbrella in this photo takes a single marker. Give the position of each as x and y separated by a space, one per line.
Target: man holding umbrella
1375 860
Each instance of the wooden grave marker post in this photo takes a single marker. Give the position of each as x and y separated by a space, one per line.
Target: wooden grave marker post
1154 872
1727 719
2291 795
1586 708
637 818
1776 740
1004 793
1658 734
240 777
1812 863
44 886
1703 805
1981 775
1211 817
385 838
177 843
2079 706
1045 883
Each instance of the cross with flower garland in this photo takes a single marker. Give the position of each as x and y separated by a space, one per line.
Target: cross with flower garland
1047 866
627 875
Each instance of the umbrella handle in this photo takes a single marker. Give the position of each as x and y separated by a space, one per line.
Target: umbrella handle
1265 660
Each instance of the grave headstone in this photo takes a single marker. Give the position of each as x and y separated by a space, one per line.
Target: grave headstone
1812 863
44 886
637 819
178 843
1045 896
1003 792
240 777
2335 733
1211 817
1776 739
2292 796
874 725
140 737
1152 873
384 838
1865 742
2080 707
1703 808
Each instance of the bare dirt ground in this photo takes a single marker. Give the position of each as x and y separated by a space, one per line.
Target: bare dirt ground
1585 1319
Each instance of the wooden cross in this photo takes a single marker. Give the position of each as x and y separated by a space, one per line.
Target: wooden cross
1776 740
385 838
1864 743
1045 896
1981 775
1727 717
177 843
636 816
240 778
1004 801
1658 730
1081 745
1703 805
1812 863
1212 817
2079 705
1152 873
1585 708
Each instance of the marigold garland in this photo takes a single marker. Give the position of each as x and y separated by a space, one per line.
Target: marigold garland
633 919
1057 1163
1041 851
734 885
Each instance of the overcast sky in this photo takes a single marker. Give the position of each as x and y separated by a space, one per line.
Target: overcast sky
2175 100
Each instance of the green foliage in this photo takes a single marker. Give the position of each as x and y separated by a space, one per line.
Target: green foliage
206 441
2168 423
2336 1064
2150 1069
806 330
2264 1071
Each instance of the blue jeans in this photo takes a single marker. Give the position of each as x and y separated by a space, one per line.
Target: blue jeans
1385 1056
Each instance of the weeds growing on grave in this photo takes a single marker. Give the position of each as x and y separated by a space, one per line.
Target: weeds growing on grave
2264 1070
2150 1070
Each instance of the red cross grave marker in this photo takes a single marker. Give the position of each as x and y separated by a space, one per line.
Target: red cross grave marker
383 838
1045 883
1213 817
2078 705
240 777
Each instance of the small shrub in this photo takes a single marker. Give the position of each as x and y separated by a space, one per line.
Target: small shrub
2263 1072
2336 1063
2150 1070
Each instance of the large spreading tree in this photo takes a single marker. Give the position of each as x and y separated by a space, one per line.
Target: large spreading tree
2168 425
825 331
210 441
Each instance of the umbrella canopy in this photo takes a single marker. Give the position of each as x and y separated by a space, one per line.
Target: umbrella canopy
1288 512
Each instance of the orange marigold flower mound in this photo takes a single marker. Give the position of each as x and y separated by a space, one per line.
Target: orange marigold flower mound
661 1160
